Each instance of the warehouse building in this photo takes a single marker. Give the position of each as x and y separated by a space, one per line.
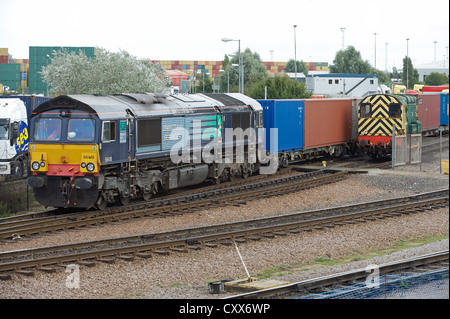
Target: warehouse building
342 84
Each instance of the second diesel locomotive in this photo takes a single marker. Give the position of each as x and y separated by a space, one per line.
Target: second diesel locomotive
380 115
88 150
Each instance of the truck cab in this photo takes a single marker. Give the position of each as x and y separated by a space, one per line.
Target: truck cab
13 137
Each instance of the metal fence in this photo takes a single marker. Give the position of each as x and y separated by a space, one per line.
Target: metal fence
407 149
431 285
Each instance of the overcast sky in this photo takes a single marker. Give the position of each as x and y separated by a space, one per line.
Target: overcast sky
192 29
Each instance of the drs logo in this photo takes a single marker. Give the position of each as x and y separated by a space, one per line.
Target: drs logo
22 139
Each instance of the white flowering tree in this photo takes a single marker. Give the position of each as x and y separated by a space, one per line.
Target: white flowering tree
106 73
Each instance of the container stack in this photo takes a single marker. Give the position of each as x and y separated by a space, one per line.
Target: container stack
40 57
9 72
3 55
210 68
275 67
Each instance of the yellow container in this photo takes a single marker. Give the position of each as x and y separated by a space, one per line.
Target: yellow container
444 164
3 51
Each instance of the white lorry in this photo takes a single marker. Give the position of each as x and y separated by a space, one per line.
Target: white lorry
13 138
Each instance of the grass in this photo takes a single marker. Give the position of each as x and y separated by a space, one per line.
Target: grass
354 255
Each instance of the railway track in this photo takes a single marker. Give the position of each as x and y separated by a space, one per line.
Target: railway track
144 246
190 202
354 283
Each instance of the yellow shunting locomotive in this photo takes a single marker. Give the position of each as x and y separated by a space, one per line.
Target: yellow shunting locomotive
379 114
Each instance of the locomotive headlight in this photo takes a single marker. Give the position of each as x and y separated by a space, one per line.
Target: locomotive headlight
90 167
83 165
42 164
35 166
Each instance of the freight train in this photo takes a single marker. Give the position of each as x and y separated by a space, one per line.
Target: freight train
91 151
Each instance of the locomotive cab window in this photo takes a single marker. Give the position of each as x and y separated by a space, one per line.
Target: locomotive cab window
365 110
47 129
109 131
81 130
395 110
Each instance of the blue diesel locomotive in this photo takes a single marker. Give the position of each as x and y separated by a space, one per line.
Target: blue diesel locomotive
90 151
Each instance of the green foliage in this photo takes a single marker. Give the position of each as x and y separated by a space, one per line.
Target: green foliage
254 71
280 87
207 88
413 74
106 73
350 61
435 78
301 67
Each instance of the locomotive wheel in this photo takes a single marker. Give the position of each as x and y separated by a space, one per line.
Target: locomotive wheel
102 204
153 191
146 196
124 201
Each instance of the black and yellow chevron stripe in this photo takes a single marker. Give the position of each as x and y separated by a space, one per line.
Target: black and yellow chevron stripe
380 124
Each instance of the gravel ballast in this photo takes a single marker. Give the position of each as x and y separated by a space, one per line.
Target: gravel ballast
185 275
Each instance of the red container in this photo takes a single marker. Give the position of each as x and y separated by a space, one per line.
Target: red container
434 88
428 110
328 122
3 59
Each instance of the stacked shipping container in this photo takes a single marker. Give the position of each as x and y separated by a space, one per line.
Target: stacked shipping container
10 75
3 55
38 59
211 67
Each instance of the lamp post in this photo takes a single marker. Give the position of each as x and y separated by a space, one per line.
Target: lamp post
343 46
386 58
407 58
375 57
434 50
295 52
239 54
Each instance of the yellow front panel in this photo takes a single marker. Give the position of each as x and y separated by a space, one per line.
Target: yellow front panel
64 154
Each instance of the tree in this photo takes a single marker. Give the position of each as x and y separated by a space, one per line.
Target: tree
254 71
107 73
207 87
280 87
301 67
350 61
413 74
435 78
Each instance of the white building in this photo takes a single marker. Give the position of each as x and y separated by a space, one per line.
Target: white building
438 67
342 84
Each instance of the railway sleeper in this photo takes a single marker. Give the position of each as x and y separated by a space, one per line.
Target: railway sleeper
106 260
143 255
5 277
126 257
48 270
25 272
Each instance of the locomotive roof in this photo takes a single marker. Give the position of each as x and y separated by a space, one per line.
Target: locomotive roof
150 104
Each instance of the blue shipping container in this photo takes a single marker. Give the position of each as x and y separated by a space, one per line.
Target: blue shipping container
444 109
287 117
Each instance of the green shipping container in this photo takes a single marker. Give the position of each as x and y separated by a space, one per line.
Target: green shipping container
38 59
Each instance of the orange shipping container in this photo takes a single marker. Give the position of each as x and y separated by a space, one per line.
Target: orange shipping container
328 122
